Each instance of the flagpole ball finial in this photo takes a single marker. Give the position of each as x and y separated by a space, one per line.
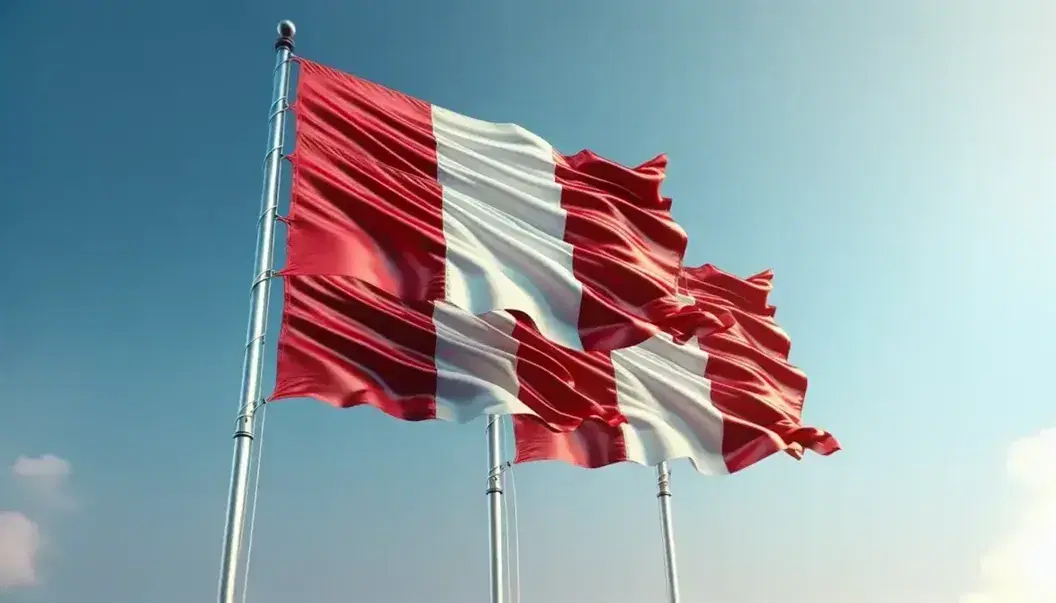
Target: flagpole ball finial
286 31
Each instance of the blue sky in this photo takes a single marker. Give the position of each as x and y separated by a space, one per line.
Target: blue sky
891 161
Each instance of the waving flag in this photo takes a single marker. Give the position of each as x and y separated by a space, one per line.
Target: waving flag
348 344
429 205
724 400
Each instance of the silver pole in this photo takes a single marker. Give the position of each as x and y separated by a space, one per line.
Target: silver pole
258 316
667 530
495 503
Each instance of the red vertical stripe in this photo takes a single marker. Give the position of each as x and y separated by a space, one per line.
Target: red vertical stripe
360 117
366 200
552 376
593 444
347 344
758 392
591 379
626 245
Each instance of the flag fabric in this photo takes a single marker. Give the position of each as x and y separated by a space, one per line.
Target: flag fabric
426 204
347 343
724 400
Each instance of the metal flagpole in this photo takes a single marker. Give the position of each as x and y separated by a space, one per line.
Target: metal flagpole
258 316
667 530
494 492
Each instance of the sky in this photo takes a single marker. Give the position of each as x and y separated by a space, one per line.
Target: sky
892 162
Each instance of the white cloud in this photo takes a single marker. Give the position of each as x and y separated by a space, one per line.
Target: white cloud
1032 462
20 537
19 543
1020 568
46 466
45 476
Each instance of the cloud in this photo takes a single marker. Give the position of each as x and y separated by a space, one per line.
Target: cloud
1032 462
1020 568
19 543
45 476
46 466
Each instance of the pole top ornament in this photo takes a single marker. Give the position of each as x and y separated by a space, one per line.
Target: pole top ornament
286 31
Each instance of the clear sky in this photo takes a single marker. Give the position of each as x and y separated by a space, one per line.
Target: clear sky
892 162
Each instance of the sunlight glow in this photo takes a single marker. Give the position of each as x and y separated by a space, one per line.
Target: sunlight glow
1022 568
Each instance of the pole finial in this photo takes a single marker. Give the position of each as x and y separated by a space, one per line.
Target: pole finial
286 30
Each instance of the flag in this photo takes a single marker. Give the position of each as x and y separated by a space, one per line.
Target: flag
724 400
348 343
426 204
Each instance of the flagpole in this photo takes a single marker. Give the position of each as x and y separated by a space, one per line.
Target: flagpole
260 290
667 530
494 493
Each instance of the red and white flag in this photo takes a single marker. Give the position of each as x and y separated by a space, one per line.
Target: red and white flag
347 343
724 400
426 204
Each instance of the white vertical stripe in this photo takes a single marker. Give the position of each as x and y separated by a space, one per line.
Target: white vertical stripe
504 225
661 389
476 365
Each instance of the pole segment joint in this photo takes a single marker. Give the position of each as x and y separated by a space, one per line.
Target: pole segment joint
663 481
